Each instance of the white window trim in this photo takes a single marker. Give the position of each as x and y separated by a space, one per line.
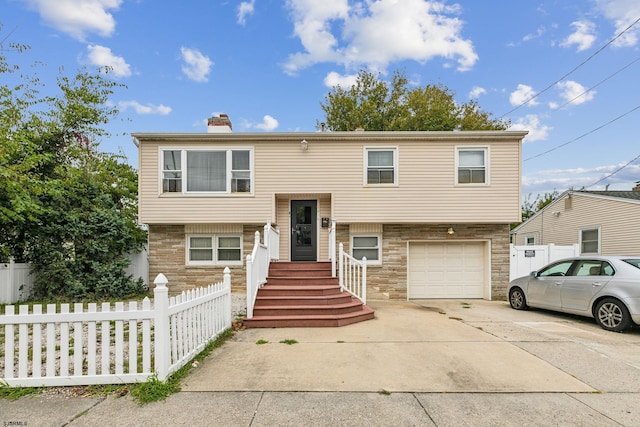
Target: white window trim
379 236
183 165
214 248
526 240
365 164
487 168
580 231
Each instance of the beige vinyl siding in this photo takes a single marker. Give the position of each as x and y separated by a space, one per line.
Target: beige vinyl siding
618 220
426 190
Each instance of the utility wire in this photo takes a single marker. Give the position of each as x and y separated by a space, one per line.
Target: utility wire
614 172
572 70
600 82
584 134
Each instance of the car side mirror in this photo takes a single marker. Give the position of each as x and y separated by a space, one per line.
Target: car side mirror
534 273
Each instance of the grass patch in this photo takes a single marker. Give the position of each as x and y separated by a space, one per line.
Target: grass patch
384 392
261 341
465 305
340 342
14 393
288 342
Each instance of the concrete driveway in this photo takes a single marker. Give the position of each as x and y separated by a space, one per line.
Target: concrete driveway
430 346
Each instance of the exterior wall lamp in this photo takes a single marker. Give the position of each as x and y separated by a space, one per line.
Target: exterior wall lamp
304 145
450 231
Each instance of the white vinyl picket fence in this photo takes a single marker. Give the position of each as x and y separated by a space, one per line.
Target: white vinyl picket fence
119 343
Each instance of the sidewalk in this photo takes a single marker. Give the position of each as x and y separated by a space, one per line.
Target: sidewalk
439 362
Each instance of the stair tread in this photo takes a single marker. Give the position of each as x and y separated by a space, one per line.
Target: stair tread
365 311
309 306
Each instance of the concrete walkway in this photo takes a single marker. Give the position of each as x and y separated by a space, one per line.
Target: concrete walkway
434 362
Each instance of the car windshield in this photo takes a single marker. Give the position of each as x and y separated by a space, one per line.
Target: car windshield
634 262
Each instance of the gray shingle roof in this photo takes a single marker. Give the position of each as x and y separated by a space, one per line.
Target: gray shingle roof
635 195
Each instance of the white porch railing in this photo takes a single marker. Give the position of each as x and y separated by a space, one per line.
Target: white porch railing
332 247
353 275
123 343
258 263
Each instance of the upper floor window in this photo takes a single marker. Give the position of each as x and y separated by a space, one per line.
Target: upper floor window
212 171
530 240
472 166
381 165
590 241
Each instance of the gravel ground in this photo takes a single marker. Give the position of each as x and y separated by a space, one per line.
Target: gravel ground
238 306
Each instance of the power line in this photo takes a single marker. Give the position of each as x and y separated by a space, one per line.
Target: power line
572 70
584 134
614 172
600 82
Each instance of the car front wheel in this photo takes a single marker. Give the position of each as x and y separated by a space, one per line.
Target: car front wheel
517 299
612 315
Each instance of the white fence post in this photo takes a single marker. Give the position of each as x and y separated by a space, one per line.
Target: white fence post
341 267
249 287
363 291
161 327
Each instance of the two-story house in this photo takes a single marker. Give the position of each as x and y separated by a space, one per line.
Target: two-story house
429 210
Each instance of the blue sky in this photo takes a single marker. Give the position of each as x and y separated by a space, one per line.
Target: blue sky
269 64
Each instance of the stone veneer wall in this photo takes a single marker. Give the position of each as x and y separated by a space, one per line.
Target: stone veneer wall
390 280
167 246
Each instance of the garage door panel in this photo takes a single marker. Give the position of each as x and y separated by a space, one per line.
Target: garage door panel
447 270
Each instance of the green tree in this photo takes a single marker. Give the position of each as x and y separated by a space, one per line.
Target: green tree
66 207
376 105
531 207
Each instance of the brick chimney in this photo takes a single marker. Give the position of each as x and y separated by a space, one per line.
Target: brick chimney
219 124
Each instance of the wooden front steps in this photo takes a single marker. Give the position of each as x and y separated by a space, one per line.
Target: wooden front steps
303 294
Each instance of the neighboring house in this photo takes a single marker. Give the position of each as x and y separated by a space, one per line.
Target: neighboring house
429 210
600 222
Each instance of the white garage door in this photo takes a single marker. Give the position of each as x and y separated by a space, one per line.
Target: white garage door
447 270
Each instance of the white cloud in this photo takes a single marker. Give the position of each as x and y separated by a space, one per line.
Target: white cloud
344 81
521 95
103 57
197 66
245 8
531 123
373 34
545 181
476 91
583 35
162 110
268 124
572 93
539 33
78 18
623 13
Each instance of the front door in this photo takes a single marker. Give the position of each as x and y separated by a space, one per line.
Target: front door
303 230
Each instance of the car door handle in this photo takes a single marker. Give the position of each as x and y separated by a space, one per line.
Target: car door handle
557 283
596 284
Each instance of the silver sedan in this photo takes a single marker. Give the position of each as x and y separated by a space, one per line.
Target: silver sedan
606 288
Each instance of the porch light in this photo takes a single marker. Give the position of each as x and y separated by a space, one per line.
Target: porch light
450 231
304 144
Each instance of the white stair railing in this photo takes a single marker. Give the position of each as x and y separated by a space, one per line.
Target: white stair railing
332 247
258 263
353 275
